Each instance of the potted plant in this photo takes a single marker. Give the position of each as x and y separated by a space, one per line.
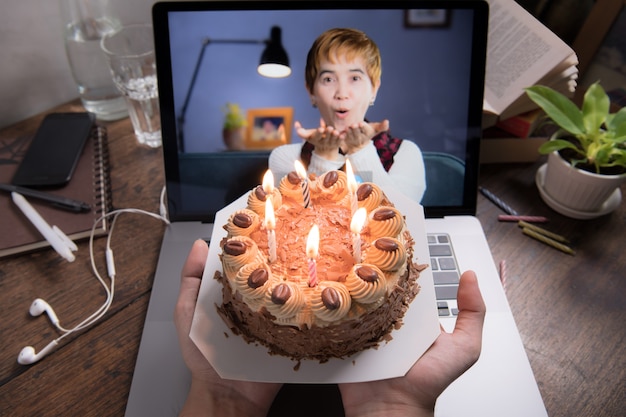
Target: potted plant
586 154
233 130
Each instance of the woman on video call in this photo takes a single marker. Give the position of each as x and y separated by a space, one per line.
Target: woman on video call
343 75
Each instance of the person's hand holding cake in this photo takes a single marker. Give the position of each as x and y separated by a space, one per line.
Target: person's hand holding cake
412 395
209 395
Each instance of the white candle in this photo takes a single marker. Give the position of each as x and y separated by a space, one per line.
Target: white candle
356 225
352 187
312 247
306 193
270 225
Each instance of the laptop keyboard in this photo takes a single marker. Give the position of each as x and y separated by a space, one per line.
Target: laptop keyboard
445 273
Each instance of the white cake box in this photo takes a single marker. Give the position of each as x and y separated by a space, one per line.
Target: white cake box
234 358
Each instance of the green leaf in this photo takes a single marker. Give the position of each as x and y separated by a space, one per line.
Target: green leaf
558 108
619 158
595 108
616 123
556 145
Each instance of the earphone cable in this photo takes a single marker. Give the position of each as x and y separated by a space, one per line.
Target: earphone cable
28 355
109 290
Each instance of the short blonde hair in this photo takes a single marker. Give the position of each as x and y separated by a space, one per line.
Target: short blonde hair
342 41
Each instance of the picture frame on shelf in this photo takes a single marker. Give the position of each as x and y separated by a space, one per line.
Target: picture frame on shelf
268 127
418 18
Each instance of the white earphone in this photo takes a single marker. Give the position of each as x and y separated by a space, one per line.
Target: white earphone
39 306
27 355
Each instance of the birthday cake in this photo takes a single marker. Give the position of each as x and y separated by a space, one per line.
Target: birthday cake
316 268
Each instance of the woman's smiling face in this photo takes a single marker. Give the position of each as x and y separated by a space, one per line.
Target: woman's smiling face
343 92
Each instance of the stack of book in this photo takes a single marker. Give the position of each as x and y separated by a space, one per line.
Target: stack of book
521 52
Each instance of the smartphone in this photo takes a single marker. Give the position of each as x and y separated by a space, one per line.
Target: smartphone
52 156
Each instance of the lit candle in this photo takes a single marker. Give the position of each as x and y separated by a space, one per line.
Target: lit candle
356 225
268 182
270 225
352 187
306 194
312 245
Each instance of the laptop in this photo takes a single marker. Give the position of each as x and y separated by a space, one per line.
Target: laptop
433 56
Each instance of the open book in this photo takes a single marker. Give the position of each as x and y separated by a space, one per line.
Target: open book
522 52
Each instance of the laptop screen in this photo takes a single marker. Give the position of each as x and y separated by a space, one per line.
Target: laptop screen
433 63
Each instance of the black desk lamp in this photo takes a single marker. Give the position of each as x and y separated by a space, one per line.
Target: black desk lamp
274 63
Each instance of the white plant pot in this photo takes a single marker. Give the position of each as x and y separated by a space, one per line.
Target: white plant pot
580 191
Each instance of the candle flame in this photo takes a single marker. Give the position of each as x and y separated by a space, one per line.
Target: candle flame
268 182
300 170
358 220
312 242
270 220
352 185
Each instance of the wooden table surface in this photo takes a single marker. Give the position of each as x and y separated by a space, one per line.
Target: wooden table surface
570 310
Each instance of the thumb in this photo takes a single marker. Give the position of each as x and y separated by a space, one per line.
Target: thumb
471 306
191 277
194 265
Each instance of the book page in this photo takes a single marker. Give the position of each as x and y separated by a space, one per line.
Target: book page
520 52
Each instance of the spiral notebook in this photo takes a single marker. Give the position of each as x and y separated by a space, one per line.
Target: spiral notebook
90 183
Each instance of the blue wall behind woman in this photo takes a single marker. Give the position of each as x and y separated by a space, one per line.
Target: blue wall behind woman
424 82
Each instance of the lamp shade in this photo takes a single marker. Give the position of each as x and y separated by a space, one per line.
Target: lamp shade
274 60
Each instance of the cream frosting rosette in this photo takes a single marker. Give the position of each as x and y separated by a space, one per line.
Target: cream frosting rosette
331 186
237 252
385 221
252 282
242 223
330 301
257 197
285 301
386 253
366 283
369 195
290 187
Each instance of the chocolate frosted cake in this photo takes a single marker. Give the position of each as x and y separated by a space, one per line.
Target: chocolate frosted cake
332 304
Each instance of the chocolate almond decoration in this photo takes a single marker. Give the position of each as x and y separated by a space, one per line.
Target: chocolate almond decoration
235 248
386 244
331 299
280 294
242 220
257 278
364 191
330 178
367 274
384 214
260 193
293 178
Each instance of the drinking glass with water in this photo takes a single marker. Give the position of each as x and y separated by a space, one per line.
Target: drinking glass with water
130 54
86 22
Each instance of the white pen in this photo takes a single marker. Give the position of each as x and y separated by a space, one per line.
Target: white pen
58 241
